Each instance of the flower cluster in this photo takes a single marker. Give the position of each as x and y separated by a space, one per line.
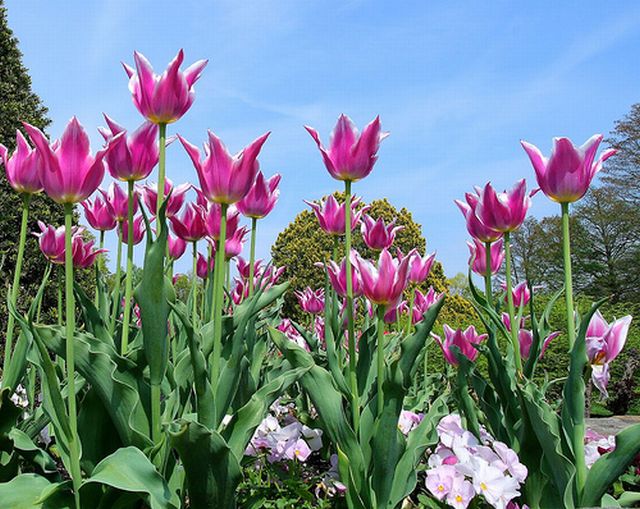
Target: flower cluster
595 445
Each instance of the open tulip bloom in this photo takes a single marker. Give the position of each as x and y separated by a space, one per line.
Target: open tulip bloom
376 234
175 197
310 300
23 166
332 215
464 340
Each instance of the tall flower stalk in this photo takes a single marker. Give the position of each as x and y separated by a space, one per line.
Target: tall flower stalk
488 291
252 255
380 359
510 306
218 293
568 278
162 138
126 317
116 286
194 283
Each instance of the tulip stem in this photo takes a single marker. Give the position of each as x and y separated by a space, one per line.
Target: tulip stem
126 317
355 403
218 281
162 135
512 314
568 279
116 283
74 442
252 254
488 292
97 267
412 297
156 425
194 284
380 359
8 345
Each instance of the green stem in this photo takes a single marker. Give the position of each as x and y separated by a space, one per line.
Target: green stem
568 279
60 277
156 419
252 254
515 326
74 443
116 283
162 134
380 359
488 292
97 269
355 399
128 291
218 281
412 296
194 284
15 288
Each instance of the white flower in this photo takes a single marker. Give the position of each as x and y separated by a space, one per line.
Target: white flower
496 488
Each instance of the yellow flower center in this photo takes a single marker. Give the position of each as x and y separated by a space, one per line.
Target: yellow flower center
458 498
440 487
483 486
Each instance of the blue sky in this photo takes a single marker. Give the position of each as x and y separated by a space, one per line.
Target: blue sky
457 84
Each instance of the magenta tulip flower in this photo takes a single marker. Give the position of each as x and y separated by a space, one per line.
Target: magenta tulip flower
119 201
392 313
331 215
376 234
244 268
338 277
131 158
191 226
99 213
423 302
225 178
139 229
384 283
174 194
476 228
420 267
84 254
604 342
311 301
23 166
521 294
69 173
213 218
51 241
350 155
234 244
506 211
261 198
565 177
525 338
163 99
202 268
478 257
464 340
176 247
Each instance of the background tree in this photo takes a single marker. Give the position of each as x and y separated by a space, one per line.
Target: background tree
622 171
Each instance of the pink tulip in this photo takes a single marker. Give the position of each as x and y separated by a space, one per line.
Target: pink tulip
191 226
119 201
163 99
420 267
351 155
338 277
422 302
174 197
225 178
331 215
99 213
23 166
311 301
521 294
240 291
69 173
234 244
392 313
376 234
244 268
476 228
202 270
506 211
176 247
464 340
383 284
604 342
272 274
51 241
565 177
478 258
83 252
261 198
213 218
139 229
525 338
131 158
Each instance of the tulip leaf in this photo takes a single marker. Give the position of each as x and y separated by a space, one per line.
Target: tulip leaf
31 491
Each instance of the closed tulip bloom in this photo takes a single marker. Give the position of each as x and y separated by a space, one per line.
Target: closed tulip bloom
384 283
176 247
604 342
338 277
213 218
174 197
566 175
119 201
350 155
521 294
331 214
191 226
99 213
234 244
69 173
311 301
422 302
506 211
525 338
51 241
464 340
261 198
23 166
202 269
392 313
478 257
225 178
420 267
244 268
139 229
163 99
476 228
376 234
132 158
83 252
